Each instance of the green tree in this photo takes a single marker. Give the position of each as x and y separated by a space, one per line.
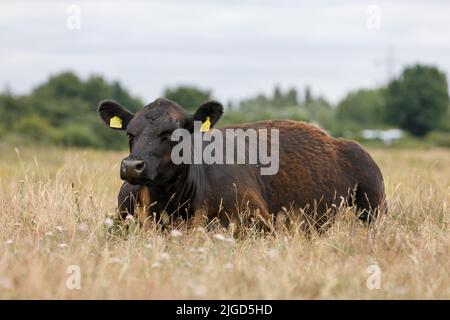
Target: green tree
9 110
284 99
363 107
255 103
292 97
418 99
188 97
319 111
36 129
278 98
308 95
64 110
65 84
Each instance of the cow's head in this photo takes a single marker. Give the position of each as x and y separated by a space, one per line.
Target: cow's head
149 132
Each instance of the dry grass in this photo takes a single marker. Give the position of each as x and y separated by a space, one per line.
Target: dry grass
53 209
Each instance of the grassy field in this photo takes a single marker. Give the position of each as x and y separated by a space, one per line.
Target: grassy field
55 214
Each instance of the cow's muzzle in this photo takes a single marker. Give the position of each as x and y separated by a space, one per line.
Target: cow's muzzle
132 169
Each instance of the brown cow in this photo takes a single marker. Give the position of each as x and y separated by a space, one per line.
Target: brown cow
316 171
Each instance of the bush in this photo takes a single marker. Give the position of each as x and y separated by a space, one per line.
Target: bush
362 107
36 128
79 137
188 97
439 139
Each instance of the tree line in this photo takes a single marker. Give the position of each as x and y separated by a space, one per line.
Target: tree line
62 110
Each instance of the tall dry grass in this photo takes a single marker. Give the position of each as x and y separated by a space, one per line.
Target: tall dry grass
56 205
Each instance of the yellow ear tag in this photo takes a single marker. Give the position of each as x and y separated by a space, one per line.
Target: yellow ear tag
205 125
115 122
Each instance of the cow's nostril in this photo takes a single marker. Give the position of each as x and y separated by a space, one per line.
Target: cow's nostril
140 166
132 169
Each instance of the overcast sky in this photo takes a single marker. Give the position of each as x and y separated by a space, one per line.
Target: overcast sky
234 48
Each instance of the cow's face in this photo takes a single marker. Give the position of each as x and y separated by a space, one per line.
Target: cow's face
149 132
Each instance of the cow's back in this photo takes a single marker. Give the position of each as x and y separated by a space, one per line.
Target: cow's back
310 171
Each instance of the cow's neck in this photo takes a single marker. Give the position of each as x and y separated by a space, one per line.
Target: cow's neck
184 194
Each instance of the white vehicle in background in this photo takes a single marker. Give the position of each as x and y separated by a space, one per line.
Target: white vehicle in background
387 136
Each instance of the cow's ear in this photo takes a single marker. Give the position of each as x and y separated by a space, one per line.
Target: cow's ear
114 115
208 113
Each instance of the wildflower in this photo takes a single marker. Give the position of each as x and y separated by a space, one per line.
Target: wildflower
9 241
272 254
198 250
201 250
176 233
6 283
229 240
199 229
164 256
219 237
115 260
108 222
229 266
83 227
199 290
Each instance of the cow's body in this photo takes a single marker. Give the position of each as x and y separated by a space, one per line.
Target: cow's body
316 172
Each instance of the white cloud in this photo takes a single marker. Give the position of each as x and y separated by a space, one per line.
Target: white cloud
235 48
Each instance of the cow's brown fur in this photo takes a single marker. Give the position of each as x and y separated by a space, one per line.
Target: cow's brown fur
316 173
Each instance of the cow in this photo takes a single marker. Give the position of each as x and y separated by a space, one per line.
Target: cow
316 173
